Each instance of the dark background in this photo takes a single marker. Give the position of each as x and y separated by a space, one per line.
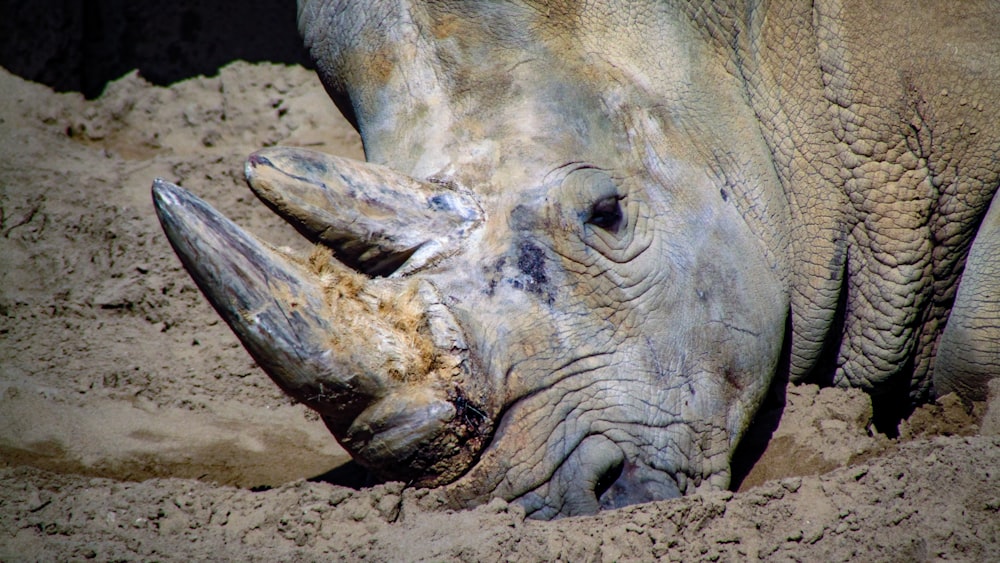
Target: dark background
81 45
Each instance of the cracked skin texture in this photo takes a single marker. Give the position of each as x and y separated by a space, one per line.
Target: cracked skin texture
885 134
772 165
882 119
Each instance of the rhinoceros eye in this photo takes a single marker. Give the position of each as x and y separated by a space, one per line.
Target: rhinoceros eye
606 214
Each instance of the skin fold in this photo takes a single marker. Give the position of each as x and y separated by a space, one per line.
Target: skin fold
588 235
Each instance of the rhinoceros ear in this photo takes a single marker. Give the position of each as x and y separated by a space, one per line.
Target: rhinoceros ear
376 220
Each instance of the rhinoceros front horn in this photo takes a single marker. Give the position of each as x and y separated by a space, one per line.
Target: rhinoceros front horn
382 360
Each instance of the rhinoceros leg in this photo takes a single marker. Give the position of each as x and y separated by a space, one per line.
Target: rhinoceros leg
969 351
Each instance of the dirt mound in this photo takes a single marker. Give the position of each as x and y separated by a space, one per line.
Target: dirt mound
134 426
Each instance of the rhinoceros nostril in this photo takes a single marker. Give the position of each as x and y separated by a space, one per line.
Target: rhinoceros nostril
608 478
637 483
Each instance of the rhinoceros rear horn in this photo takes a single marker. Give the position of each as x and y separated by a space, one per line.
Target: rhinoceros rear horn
382 360
375 219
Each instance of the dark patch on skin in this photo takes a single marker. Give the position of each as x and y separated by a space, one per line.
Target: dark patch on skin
531 263
522 218
530 276
735 384
439 203
494 274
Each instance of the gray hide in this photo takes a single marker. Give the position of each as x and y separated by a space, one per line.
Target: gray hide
589 235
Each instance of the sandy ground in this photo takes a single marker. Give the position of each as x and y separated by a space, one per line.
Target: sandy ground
133 426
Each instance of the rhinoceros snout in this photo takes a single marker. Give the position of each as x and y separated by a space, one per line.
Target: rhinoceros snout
382 360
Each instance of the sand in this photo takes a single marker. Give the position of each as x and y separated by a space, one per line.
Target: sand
133 426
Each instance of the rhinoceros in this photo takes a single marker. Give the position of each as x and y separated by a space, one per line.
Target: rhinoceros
589 235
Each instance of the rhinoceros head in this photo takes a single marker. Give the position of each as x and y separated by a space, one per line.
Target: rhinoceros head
552 280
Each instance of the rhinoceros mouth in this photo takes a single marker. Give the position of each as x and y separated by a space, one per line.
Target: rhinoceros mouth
596 473
382 359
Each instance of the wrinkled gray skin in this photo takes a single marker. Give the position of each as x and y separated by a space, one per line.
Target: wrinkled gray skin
589 237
